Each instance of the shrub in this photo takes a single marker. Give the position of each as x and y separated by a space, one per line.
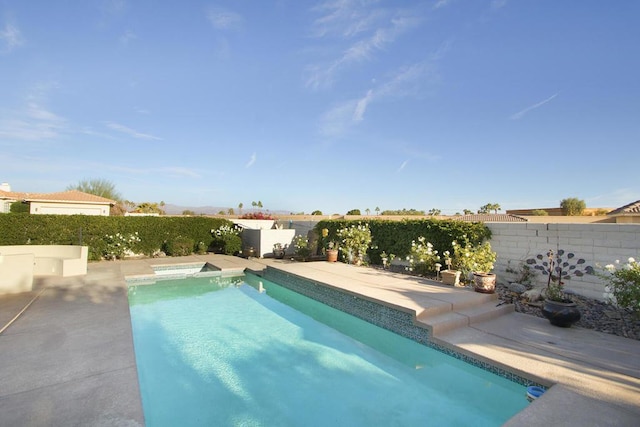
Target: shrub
422 257
226 240
301 245
623 287
179 246
117 246
540 212
572 206
355 241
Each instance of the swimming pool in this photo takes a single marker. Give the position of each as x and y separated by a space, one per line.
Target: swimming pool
217 351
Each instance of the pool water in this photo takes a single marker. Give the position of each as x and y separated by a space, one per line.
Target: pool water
219 352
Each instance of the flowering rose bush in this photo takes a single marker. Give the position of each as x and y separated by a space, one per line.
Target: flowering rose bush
469 258
226 239
423 259
623 287
117 246
301 245
356 240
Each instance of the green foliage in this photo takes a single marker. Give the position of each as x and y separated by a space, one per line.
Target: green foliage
117 246
316 212
188 212
403 212
539 212
623 285
226 239
469 257
572 206
91 231
495 207
355 241
423 258
354 212
19 207
179 246
97 187
301 244
396 236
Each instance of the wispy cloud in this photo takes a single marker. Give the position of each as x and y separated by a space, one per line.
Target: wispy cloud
34 121
251 161
127 37
406 81
367 32
498 4
131 132
520 114
441 3
403 165
11 38
223 19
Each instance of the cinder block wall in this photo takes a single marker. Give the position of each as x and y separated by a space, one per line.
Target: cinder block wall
598 244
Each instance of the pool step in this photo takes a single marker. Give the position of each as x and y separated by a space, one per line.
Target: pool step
466 316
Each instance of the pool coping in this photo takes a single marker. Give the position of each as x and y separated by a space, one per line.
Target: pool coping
596 385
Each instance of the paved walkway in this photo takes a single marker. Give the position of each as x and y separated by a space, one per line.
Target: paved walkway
68 359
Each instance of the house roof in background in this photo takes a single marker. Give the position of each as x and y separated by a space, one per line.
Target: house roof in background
490 218
631 208
73 196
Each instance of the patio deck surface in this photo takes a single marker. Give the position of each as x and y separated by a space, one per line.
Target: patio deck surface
69 360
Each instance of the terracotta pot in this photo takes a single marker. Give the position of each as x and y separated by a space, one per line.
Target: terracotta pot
484 282
563 314
332 255
450 277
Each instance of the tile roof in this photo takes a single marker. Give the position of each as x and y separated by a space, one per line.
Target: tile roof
631 208
490 218
68 196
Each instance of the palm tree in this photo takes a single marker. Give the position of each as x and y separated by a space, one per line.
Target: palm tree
377 210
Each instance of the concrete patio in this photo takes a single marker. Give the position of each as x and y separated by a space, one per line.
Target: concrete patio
68 358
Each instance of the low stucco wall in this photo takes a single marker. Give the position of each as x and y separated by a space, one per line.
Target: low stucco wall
16 273
21 262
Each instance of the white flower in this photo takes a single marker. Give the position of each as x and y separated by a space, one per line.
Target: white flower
610 267
631 260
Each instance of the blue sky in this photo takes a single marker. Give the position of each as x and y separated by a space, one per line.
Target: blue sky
330 105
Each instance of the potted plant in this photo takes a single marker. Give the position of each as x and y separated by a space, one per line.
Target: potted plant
423 258
449 276
557 307
278 250
332 252
329 248
476 262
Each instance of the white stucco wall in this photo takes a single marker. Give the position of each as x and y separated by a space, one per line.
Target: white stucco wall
45 208
597 244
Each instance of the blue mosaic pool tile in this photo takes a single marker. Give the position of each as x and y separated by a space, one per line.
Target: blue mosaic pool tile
394 320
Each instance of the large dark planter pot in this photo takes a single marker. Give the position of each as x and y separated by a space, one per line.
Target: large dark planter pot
484 282
563 314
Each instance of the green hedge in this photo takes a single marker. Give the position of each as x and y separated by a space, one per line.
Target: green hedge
395 237
154 232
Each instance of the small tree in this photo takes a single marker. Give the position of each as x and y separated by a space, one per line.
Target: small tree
377 210
572 206
19 207
97 187
539 212
354 212
434 212
316 212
